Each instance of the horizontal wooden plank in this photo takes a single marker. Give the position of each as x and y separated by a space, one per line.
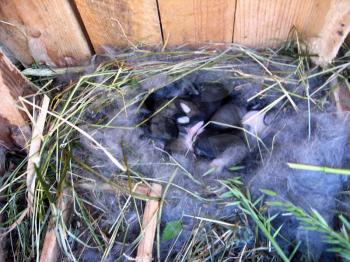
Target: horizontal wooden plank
45 31
267 23
120 23
50 32
198 21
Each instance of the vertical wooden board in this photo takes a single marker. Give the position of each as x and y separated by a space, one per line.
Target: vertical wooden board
325 37
44 31
316 20
120 23
267 23
197 21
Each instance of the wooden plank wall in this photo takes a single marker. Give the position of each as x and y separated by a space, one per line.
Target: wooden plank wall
317 17
44 31
326 40
67 32
268 22
198 21
120 23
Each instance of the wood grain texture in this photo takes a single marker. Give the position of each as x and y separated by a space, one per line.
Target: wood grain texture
267 23
50 250
45 31
12 32
317 18
197 21
149 225
12 86
326 37
120 23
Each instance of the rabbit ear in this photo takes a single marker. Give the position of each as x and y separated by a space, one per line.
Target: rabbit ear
192 132
195 130
254 121
183 120
185 108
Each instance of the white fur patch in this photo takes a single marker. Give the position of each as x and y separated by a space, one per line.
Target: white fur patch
185 108
183 120
255 121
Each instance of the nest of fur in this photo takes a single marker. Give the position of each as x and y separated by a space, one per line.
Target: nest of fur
217 130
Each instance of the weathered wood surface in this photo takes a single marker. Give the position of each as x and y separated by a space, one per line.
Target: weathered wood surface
198 21
326 36
317 18
12 85
149 225
52 31
50 250
38 126
269 22
44 31
120 23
